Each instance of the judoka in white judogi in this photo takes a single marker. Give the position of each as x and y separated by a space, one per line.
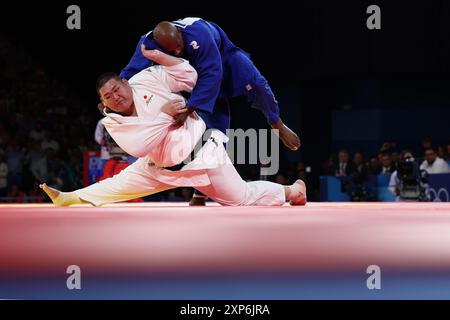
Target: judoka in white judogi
150 134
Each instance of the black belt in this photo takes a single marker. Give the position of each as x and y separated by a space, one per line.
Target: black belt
191 156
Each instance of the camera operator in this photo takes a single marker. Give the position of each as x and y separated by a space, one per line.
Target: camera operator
408 182
356 189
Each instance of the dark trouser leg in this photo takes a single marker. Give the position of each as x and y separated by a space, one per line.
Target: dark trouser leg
261 97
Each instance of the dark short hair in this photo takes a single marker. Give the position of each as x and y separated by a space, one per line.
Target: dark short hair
104 78
405 152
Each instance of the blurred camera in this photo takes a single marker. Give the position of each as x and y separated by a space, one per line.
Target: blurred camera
412 180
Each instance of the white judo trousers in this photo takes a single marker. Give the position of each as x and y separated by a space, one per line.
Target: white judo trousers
226 187
151 137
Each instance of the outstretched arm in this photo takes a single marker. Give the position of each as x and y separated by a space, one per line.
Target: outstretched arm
178 74
160 57
150 134
138 62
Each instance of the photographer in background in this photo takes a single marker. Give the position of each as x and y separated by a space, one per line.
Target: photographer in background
408 182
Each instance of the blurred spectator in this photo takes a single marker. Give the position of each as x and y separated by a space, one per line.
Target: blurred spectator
434 164
32 100
387 147
3 176
387 167
344 167
49 143
36 195
4 135
15 195
15 163
301 171
38 163
374 166
186 194
361 172
328 166
448 154
441 152
281 179
116 158
72 172
395 158
37 134
52 161
54 181
100 138
174 195
426 143
358 161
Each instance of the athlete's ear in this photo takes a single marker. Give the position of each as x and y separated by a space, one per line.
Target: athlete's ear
125 81
101 107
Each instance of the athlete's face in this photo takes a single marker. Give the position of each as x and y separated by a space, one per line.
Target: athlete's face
172 44
117 95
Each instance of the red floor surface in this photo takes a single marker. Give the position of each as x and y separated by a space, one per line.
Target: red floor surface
169 238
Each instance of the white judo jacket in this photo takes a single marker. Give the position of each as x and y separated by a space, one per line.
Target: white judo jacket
151 135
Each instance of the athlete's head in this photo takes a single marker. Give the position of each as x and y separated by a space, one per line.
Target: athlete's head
169 38
115 93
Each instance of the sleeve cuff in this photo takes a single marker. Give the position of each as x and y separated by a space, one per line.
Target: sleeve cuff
165 116
177 67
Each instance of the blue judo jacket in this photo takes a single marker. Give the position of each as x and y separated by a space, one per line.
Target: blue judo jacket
224 70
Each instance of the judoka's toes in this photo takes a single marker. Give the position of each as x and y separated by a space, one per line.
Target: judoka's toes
52 193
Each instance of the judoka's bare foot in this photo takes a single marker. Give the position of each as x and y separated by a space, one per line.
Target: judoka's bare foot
297 195
60 198
52 193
